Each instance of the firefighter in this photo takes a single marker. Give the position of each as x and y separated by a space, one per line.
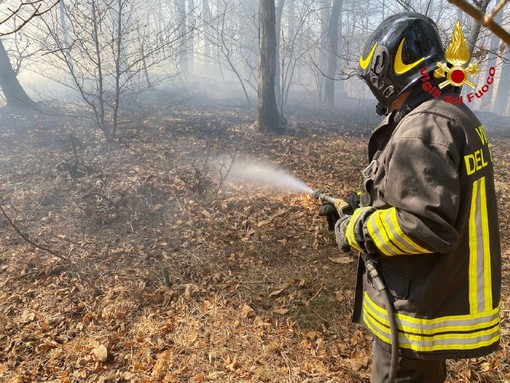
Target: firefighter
429 220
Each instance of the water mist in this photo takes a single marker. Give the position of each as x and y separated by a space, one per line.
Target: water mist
263 174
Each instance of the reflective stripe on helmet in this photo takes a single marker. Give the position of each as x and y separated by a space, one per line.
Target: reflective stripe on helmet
365 62
399 66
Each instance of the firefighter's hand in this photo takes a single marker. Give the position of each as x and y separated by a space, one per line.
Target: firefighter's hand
340 228
329 211
354 200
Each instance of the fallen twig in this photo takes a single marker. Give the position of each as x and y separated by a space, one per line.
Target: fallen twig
27 239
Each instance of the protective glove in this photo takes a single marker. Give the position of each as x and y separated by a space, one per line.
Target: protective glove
349 230
354 200
340 229
332 214
329 211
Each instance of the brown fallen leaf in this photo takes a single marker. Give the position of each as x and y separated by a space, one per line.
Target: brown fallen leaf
27 317
281 311
247 311
276 293
101 353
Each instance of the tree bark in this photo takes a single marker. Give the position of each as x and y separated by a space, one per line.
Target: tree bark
334 27
191 38
65 32
502 95
206 17
268 117
491 62
14 93
99 108
279 14
323 58
475 28
182 25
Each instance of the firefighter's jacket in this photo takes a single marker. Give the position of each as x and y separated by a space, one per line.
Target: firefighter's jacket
435 232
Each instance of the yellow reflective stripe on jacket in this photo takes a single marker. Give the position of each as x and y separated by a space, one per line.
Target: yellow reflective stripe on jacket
480 288
349 232
446 342
388 236
423 326
377 232
462 332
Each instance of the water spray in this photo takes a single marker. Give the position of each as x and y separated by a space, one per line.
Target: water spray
247 172
267 175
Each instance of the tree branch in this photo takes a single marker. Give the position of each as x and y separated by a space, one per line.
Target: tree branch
27 239
36 5
499 6
485 20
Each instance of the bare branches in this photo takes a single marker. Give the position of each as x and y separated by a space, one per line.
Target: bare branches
27 239
487 20
35 9
499 6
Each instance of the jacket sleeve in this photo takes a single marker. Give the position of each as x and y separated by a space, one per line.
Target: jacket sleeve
421 189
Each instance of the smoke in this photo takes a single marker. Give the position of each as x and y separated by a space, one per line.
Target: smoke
263 174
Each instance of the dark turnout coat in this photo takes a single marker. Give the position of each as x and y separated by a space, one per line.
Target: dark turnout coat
435 231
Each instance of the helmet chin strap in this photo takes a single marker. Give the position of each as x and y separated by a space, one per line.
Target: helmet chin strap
412 101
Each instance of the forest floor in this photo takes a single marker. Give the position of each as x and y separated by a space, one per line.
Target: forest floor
146 272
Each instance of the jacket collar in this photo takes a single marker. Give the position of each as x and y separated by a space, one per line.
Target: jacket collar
381 134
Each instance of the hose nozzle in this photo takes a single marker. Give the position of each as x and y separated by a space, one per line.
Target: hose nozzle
323 197
317 193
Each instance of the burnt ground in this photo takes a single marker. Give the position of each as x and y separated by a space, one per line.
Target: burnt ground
149 267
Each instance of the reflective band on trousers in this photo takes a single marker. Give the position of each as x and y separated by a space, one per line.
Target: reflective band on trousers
456 332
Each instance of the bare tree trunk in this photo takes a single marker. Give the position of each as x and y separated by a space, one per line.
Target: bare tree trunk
491 62
191 39
475 29
181 19
117 59
334 27
268 117
323 59
65 32
250 48
279 13
206 17
14 93
99 109
502 95
460 15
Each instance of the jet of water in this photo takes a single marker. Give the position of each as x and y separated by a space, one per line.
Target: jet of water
263 174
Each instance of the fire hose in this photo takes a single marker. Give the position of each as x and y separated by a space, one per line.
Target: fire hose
378 283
